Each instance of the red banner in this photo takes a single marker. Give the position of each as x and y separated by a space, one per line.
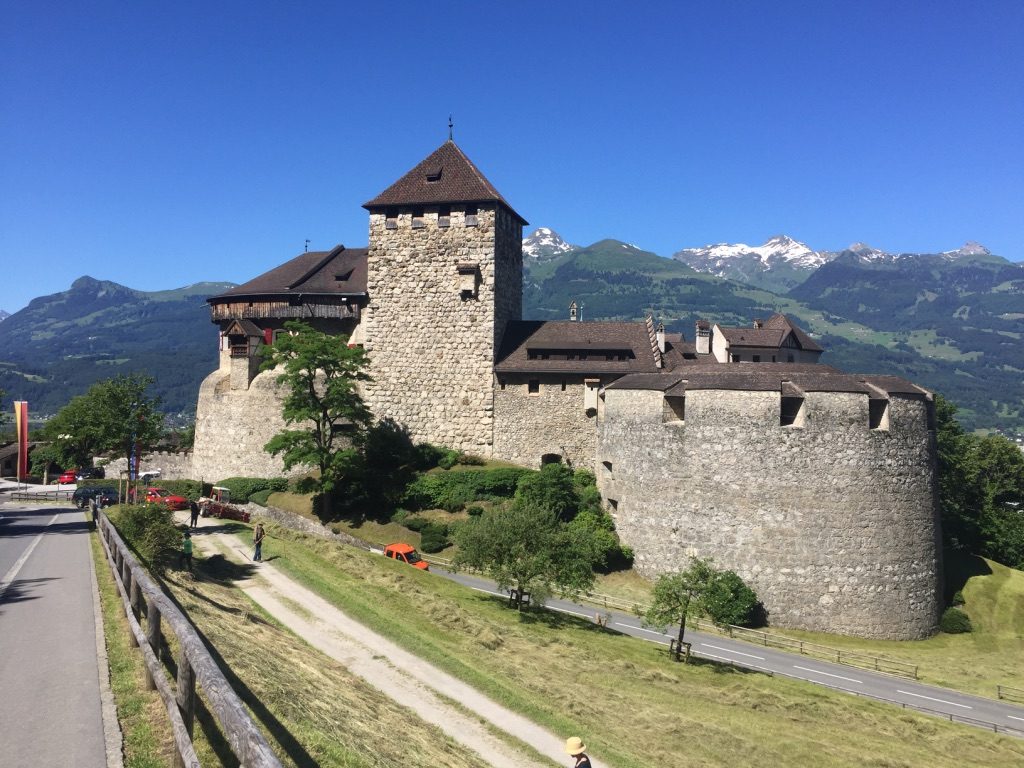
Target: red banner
21 425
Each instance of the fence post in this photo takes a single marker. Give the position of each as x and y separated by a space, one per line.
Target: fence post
153 637
135 596
186 698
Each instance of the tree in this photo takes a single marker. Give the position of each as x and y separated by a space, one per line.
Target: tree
700 590
527 549
551 490
320 375
114 416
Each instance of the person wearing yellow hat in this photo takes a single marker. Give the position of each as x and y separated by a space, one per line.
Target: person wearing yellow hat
574 746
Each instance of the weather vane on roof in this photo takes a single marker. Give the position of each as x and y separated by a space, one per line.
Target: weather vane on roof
451 125
307 245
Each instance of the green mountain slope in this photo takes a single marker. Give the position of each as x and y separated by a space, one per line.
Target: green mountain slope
60 344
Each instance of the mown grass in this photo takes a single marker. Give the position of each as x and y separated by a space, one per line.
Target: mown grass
623 696
148 741
975 662
312 710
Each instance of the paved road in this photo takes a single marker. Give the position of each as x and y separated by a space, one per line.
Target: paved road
962 707
50 710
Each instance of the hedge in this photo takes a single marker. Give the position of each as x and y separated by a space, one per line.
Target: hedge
453 490
243 487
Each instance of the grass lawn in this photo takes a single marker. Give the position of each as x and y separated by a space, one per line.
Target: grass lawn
975 662
148 741
624 697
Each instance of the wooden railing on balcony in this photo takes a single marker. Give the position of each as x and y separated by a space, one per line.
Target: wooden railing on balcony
282 310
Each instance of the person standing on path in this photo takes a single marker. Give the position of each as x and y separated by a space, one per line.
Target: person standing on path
257 537
193 508
574 746
186 551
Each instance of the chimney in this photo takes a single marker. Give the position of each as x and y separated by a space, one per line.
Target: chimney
703 337
758 323
657 343
659 334
572 312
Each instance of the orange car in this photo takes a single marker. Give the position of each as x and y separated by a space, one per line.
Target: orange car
406 554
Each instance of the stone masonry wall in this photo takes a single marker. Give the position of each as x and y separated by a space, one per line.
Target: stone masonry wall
553 421
432 349
173 465
833 524
232 426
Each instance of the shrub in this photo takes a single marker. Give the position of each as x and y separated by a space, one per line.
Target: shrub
958 598
190 489
955 622
453 490
469 460
449 459
475 510
417 524
243 487
149 529
434 537
728 600
261 497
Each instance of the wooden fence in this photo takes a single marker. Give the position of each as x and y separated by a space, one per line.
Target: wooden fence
143 597
40 495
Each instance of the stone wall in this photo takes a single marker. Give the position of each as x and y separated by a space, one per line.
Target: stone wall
833 524
173 465
432 345
232 426
553 421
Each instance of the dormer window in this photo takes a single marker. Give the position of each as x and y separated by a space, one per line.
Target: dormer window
343 276
433 175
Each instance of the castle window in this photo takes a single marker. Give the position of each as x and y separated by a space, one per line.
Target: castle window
417 218
501 383
789 358
613 506
757 358
444 214
591 387
468 279
674 410
791 412
607 467
735 358
773 358
878 414
563 385
391 218
533 386
470 215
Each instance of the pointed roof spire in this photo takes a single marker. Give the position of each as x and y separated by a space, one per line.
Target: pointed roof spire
445 176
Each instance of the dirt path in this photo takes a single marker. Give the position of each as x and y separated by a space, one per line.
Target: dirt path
406 678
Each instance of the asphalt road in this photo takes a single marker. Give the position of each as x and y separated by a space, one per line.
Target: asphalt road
899 691
50 711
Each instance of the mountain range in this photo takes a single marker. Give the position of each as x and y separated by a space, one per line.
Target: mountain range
951 321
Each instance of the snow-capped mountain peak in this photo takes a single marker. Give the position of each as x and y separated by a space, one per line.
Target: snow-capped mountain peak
866 253
777 250
970 248
544 243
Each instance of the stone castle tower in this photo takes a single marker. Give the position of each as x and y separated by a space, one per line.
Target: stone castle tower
444 279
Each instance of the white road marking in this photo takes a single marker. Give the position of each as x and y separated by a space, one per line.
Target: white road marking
1013 717
489 592
12 574
941 701
730 650
641 629
829 674
573 613
744 665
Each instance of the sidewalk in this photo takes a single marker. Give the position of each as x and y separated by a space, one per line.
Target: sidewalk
409 680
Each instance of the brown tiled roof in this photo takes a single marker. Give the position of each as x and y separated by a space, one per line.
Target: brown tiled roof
772 333
445 176
524 335
315 272
767 377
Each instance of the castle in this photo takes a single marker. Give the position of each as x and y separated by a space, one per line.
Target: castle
818 487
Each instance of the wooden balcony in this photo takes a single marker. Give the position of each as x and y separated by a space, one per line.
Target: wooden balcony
282 310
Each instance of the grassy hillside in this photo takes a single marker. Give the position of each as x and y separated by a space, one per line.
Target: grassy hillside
574 677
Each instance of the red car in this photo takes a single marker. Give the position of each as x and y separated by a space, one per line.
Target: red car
165 497
67 478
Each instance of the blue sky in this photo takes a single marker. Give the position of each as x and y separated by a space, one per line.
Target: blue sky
161 145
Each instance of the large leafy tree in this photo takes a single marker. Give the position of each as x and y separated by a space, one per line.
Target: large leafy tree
111 417
700 590
320 374
529 550
981 490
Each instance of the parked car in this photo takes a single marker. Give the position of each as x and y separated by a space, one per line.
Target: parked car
407 554
82 496
161 496
67 478
91 473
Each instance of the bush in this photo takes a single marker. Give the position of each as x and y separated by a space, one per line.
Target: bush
474 511
261 497
958 598
243 487
453 490
149 529
728 600
449 459
434 537
417 524
955 622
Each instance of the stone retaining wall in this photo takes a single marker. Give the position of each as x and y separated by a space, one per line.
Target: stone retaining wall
302 524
